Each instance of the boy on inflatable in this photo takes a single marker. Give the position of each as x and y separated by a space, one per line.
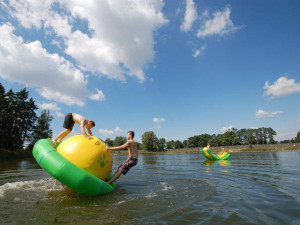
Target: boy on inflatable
132 156
70 120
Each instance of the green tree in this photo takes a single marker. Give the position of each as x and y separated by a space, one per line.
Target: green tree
17 118
297 138
119 140
178 144
150 141
109 142
170 144
161 143
42 128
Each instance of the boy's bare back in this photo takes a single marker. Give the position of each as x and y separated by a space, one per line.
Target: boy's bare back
78 118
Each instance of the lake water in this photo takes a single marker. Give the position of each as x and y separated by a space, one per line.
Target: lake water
250 188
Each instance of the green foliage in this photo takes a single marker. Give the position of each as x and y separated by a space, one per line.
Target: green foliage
161 144
150 141
119 140
297 138
109 142
17 118
42 128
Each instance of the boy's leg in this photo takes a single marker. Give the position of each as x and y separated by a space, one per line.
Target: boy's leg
62 135
115 176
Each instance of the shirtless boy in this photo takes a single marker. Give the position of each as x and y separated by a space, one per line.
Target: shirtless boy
132 156
70 120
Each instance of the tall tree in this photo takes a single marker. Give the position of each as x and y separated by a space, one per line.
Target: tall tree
150 141
17 118
119 140
42 129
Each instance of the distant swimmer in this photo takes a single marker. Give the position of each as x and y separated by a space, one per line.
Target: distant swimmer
70 120
132 156
223 150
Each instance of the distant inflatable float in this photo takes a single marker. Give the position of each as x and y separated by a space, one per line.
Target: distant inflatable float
82 165
207 154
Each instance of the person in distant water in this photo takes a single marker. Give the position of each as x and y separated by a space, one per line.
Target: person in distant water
132 156
222 149
70 120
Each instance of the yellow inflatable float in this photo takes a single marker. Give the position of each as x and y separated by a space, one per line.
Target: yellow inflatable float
89 155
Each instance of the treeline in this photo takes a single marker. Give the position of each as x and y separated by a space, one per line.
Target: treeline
293 140
19 124
262 135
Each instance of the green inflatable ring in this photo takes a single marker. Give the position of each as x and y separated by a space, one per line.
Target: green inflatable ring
80 181
207 154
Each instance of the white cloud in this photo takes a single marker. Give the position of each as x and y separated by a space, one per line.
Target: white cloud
219 24
283 86
51 106
158 127
28 63
224 129
106 131
261 113
198 52
189 17
111 132
120 32
99 96
285 136
59 114
158 120
119 129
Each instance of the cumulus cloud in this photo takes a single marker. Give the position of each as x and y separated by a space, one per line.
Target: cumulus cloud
283 86
261 113
158 120
119 40
198 52
99 96
158 127
30 64
51 106
189 17
115 131
285 136
219 23
224 129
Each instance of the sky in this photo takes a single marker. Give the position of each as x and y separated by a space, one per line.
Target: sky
177 67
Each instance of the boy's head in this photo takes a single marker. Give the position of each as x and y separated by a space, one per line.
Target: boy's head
90 124
130 134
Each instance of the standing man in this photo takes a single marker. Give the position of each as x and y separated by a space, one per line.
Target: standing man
132 156
70 120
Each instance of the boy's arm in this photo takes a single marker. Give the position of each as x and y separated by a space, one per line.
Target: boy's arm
83 130
90 132
121 147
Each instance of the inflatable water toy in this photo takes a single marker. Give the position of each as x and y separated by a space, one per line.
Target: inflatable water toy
82 165
207 154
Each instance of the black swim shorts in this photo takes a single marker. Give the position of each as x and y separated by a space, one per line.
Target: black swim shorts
126 165
69 122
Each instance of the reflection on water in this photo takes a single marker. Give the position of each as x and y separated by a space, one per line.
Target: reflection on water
250 188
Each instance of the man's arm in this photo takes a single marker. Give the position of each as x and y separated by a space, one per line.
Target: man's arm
121 147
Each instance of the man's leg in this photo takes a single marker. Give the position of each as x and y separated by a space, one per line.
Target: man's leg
115 176
61 135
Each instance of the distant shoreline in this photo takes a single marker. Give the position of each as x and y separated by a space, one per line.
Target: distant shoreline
232 149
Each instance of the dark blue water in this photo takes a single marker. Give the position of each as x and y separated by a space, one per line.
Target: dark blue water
250 188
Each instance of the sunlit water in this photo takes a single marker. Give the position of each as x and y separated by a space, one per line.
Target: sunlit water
250 188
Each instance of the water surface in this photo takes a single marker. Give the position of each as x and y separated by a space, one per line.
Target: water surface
250 188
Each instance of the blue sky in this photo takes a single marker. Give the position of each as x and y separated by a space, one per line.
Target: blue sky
179 68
